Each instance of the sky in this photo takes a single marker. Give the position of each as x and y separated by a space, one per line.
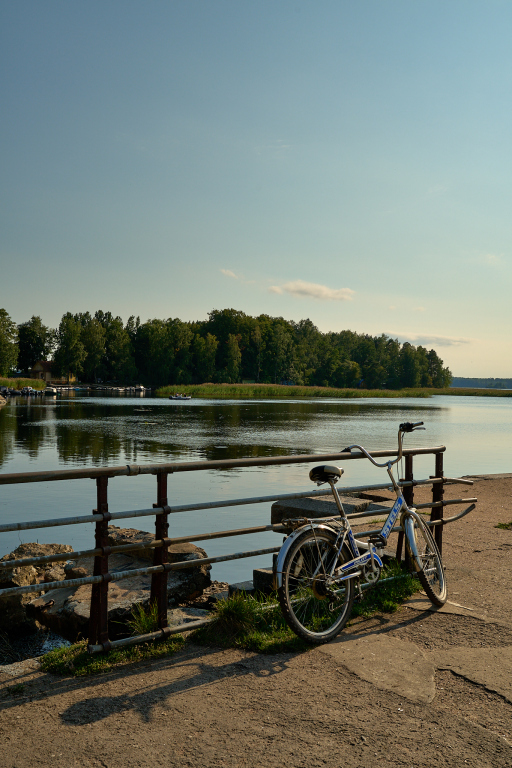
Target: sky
347 162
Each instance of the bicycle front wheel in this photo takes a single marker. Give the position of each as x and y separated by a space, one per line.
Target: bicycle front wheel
313 604
427 561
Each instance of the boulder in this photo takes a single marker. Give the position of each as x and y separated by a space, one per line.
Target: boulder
14 620
66 610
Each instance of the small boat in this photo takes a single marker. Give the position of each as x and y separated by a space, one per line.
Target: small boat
51 391
177 396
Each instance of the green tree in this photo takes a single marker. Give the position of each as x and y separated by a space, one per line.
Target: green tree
233 359
204 351
441 377
70 353
93 338
118 361
36 342
8 344
409 366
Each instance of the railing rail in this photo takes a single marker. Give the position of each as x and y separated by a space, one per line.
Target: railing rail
98 622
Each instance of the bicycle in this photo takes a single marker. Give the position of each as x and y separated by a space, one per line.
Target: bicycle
320 563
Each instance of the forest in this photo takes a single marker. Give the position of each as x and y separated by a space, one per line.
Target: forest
228 347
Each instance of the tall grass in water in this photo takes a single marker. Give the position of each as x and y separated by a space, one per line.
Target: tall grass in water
262 391
19 383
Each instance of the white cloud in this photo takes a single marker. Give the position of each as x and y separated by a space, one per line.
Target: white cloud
313 290
492 259
229 273
425 339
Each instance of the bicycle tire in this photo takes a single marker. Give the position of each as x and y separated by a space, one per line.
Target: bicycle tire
431 574
314 609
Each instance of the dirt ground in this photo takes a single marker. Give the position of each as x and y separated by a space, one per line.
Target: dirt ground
351 703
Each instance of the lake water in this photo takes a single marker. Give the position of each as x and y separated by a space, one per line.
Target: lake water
66 432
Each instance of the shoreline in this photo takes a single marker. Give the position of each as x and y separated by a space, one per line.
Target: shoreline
293 392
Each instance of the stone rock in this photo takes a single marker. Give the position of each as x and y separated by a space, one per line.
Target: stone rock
74 571
14 620
118 536
66 611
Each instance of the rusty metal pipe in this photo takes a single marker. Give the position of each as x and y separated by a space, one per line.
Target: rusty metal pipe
150 636
133 513
191 466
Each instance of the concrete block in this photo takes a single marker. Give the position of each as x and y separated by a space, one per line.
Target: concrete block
263 580
241 586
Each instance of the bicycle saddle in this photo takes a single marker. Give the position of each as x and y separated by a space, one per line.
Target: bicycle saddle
324 473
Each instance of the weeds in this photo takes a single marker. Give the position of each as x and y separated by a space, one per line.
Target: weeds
255 624
388 596
144 620
504 526
15 690
76 661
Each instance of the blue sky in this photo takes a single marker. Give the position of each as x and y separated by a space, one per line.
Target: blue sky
344 161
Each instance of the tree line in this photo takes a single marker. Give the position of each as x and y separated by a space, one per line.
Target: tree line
229 346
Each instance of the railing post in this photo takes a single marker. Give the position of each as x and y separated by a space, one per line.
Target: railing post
98 619
408 493
437 495
161 554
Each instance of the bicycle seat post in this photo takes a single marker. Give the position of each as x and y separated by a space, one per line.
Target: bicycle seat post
336 497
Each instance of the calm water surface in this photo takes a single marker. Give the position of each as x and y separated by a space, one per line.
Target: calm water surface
66 432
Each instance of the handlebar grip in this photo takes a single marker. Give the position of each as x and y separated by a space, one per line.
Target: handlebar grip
409 426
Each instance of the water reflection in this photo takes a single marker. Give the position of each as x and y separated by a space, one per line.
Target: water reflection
102 431
42 434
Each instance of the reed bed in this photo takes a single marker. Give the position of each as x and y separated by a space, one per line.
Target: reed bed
19 383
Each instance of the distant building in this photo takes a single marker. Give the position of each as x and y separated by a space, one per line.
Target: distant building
42 370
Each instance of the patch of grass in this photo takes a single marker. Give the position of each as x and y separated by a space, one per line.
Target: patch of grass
15 690
504 526
144 620
76 661
387 597
255 624
8 653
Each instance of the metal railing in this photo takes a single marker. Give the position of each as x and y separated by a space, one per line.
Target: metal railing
98 639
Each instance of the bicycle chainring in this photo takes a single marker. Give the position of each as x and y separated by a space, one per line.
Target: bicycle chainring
371 576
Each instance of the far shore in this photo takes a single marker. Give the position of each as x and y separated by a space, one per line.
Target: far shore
282 391
259 391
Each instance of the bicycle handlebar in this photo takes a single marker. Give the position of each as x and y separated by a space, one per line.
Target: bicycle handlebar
409 426
406 426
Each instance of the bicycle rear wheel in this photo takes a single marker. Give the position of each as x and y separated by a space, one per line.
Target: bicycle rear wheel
427 561
313 605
